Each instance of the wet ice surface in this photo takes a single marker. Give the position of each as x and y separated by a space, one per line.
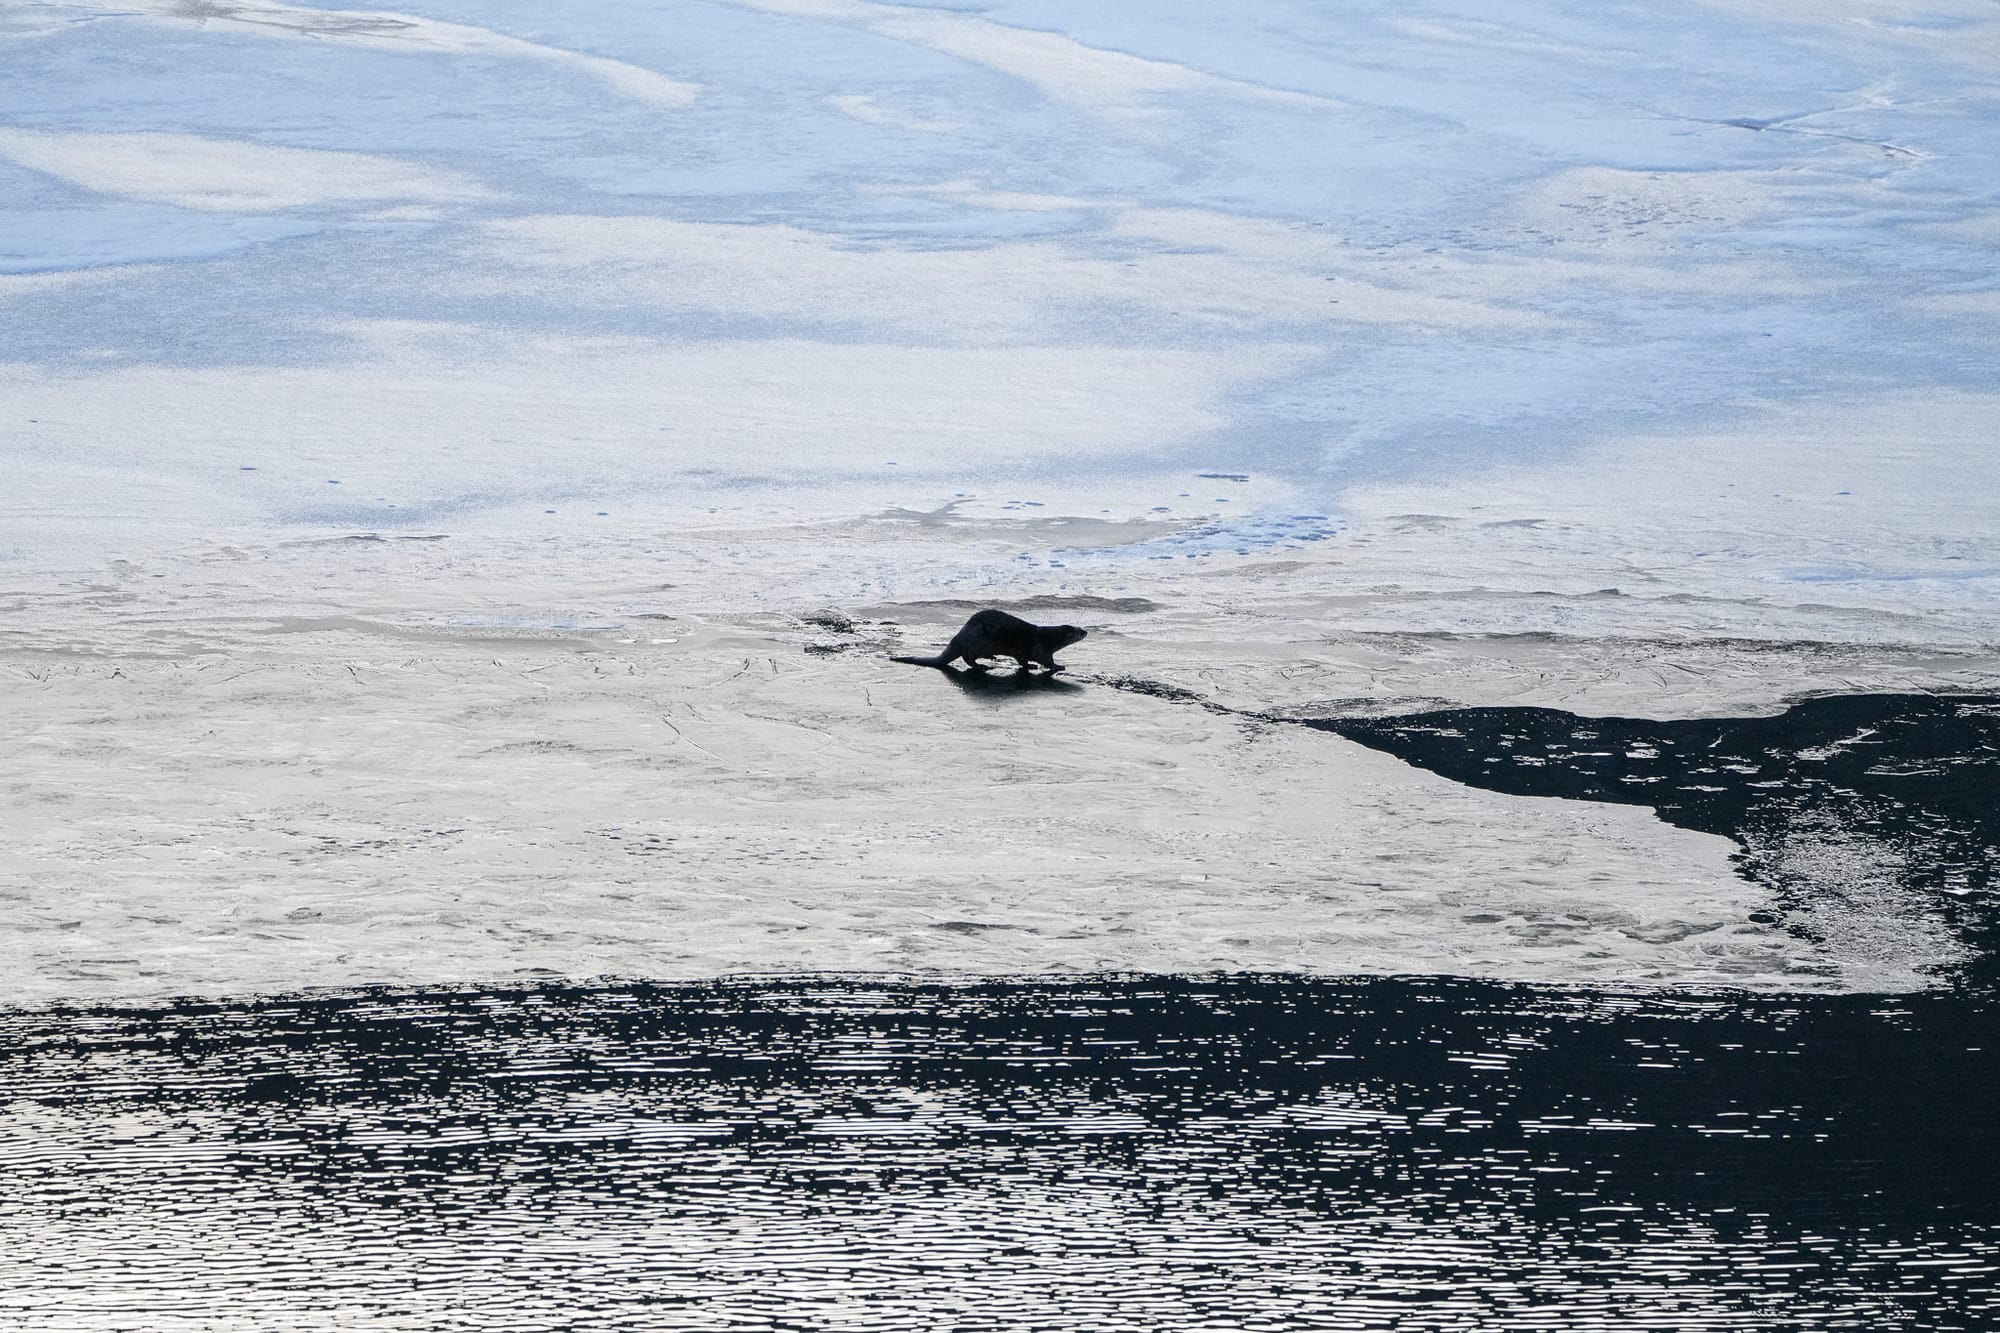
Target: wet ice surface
1874 818
338 801
1098 1153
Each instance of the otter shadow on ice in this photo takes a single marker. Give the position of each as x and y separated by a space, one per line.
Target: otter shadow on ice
1837 803
1005 684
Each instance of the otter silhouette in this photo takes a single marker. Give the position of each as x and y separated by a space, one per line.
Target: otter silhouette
993 633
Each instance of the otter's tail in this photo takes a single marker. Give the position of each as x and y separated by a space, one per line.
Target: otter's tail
939 661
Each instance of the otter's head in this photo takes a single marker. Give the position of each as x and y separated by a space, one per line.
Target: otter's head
1065 635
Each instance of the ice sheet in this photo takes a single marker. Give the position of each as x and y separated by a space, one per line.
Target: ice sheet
221 176
326 804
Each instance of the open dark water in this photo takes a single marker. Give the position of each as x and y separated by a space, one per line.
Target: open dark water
1239 1153
1116 1153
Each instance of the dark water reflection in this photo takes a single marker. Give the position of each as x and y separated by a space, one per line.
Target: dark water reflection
1241 1153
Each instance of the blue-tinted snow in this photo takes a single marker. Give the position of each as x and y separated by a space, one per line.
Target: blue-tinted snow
1648 216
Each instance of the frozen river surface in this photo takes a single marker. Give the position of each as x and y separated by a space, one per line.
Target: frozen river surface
1689 300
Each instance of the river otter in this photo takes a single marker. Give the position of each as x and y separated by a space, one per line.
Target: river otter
997 634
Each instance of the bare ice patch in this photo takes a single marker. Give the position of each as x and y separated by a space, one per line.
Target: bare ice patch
490 421
399 32
1894 492
228 175
869 109
1113 84
1152 275
1963 30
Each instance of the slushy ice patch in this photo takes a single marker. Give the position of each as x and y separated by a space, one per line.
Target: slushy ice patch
1874 819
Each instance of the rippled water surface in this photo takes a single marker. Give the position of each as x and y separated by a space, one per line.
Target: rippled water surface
1240 1153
